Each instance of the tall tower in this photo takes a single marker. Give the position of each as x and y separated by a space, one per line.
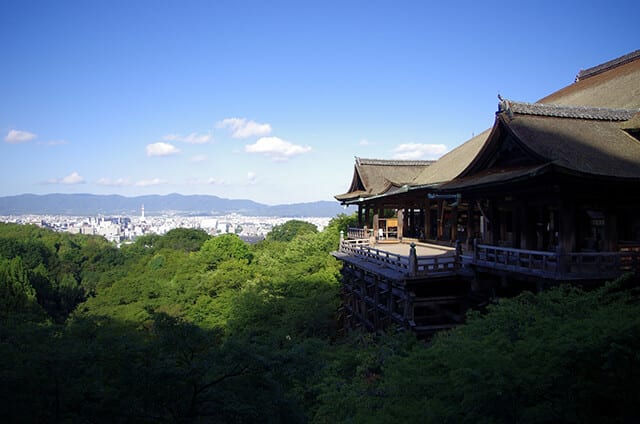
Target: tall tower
142 214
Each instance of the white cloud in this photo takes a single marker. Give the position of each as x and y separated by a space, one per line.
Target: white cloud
193 138
161 149
409 151
120 182
276 148
73 178
251 177
214 181
241 128
56 142
199 158
206 181
151 182
17 136
364 142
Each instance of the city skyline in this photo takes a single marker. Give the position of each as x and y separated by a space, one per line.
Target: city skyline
270 101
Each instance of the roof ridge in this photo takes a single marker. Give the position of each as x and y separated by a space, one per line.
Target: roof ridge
392 162
598 69
563 111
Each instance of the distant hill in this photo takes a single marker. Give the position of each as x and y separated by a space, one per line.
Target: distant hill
93 204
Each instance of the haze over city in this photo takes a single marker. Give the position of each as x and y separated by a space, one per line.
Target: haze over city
270 101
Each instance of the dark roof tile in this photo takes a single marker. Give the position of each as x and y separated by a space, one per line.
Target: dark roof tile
560 111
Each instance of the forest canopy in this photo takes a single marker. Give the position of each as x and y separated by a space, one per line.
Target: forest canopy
186 327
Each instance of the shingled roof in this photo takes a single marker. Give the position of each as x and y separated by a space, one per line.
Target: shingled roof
586 141
603 67
614 84
372 177
560 111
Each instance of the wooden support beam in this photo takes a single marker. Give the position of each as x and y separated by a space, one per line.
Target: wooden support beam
453 222
427 219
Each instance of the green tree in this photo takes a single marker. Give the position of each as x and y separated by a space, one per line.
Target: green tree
16 293
221 248
186 239
291 229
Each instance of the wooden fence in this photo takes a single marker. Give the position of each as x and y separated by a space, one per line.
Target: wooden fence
557 265
412 265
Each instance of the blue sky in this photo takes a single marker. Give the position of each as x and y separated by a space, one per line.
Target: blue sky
270 100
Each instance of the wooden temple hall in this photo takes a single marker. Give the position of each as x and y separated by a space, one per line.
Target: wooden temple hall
549 194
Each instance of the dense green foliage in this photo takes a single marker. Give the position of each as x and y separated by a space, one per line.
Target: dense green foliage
190 328
290 230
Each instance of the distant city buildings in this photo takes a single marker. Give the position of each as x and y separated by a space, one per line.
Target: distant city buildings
121 229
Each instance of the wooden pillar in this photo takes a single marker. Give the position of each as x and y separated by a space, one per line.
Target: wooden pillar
367 216
400 224
610 232
406 228
516 227
420 226
454 222
427 219
376 223
470 222
528 226
440 223
567 227
360 216
494 219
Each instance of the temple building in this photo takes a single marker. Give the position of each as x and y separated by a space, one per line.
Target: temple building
549 194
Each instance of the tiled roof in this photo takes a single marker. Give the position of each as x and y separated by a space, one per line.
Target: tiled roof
393 162
586 73
560 111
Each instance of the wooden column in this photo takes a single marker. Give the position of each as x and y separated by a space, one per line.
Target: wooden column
376 224
470 223
610 232
366 216
406 227
516 227
427 219
360 216
400 223
528 226
440 223
494 219
567 227
454 222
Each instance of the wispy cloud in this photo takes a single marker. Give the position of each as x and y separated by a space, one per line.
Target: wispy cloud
151 182
276 148
161 149
193 138
119 182
54 143
71 179
206 181
364 142
252 177
17 136
409 151
243 128
199 158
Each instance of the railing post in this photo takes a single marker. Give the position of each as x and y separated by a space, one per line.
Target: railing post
476 255
413 260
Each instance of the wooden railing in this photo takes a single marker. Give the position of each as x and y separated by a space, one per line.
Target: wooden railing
557 265
355 233
411 266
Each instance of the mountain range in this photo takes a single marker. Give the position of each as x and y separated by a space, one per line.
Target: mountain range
93 204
